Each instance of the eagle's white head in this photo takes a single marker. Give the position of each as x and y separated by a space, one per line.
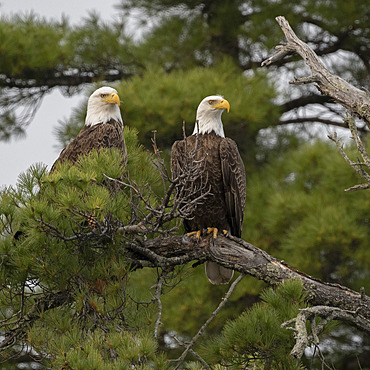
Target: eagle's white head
102 106
209 114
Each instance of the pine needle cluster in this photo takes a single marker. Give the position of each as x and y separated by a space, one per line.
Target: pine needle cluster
256 338
68 278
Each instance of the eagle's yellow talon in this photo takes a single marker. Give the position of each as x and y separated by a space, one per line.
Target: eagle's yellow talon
196 233
212 230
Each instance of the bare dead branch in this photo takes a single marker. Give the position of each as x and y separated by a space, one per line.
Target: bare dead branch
354 165
282 51
181 359
230 252
157 298
356 137
352 98
239 255
355 100
358 187
327 314
195 354
359 167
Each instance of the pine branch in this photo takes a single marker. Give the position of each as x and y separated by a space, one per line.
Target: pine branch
228 251
318 119
43 303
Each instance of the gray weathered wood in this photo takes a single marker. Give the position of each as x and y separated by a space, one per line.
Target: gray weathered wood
355 100
244 257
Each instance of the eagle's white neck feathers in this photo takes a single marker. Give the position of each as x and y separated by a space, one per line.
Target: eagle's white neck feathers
209 117
101 111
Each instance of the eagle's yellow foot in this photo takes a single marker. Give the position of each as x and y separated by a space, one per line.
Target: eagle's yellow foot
212 230
225 232
196 233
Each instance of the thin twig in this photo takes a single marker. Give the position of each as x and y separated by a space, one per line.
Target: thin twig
191 351
181 359
360 146
357 166
156 258
157 298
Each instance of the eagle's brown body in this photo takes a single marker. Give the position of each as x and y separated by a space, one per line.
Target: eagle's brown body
101 135
224 175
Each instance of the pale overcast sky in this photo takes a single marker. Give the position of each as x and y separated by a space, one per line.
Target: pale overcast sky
40 144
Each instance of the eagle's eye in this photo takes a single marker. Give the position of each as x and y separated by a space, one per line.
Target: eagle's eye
211 102
103 95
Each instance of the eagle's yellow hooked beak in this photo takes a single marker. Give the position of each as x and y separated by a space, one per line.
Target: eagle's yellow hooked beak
112 98
222 104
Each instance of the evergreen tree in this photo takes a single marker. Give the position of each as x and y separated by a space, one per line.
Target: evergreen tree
297 208
76 296
38 55
67 280
256 337
73 293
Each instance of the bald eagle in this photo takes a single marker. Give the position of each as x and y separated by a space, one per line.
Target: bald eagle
224 173
103 128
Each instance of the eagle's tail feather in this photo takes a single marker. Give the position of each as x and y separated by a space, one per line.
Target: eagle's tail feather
217 274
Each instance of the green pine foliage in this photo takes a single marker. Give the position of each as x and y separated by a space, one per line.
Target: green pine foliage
108 348
37 55
33 47
30 43
109 316
256 338
203 33
104 321
296 208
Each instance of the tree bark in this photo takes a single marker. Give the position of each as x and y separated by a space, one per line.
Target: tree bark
239 255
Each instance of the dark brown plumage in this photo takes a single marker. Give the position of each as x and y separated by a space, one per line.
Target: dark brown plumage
225 175
101 135
223 172
103 128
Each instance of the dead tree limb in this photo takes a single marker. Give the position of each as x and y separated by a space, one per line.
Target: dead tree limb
239 255
311 313
230 252
355 100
